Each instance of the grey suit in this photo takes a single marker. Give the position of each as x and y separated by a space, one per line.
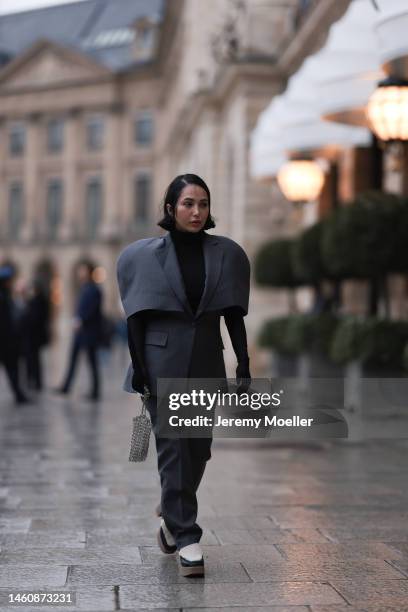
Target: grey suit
181 344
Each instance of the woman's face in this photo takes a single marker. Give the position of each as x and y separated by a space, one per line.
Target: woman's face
192 209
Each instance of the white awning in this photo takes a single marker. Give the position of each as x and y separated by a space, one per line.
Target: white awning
293 123
302 126
352 65
391 28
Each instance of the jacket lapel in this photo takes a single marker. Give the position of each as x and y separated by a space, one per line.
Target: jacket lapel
167 256
213 255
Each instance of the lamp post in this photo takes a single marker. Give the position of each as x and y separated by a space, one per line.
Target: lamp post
387 113
387 110
301 180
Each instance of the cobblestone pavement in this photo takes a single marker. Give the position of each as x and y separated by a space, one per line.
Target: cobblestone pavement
287 527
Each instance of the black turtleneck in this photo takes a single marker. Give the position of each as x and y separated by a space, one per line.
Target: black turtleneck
190 256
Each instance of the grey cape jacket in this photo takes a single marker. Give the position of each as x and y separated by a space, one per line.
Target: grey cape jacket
178 342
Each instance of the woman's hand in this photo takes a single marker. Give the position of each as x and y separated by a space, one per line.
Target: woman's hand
243 375
139 380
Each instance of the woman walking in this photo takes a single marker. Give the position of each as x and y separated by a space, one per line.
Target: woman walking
174 290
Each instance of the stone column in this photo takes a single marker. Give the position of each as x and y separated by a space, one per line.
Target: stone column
73 139
112 184
34 208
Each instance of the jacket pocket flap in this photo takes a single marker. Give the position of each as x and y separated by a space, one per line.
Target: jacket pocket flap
159 338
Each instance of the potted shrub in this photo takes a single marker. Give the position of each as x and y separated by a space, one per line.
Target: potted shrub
358 241
305 335
310 269
378 344
273 336
372 351
273 267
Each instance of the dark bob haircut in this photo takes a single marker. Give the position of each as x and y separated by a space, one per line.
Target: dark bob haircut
172 194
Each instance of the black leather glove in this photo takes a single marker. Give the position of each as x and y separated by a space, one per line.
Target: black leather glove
139 380
243 375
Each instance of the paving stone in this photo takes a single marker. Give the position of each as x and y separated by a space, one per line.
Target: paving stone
155 609
65 489
32 576
309 534
372 591
239 510
400 547
65 523
58 500
14 525
253 536
372 607
49 539
164 572
226 594
287 517
221 554
120 523
64 514
251 609
10 502
320 569
352 550
70 556
98 538
237 522
380 534
401 565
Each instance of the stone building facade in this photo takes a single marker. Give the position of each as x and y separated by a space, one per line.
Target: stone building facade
100 108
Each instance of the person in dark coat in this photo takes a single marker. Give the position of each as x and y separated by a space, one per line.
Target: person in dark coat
9 344
174 290
35 323
87 331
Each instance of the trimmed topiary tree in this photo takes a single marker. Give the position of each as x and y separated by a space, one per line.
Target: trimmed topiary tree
299 333
359 241
378 343
307 261
273 265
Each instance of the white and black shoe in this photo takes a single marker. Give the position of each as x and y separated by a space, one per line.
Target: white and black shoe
165 540
191 561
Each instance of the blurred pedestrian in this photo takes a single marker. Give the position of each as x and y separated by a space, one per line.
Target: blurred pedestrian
9 337
35 332
87 331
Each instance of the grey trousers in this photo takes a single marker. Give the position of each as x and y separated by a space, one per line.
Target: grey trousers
181 463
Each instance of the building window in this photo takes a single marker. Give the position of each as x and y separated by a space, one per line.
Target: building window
55 135
16 209
95 131
54 206
17 139
93 206
142 197
144 129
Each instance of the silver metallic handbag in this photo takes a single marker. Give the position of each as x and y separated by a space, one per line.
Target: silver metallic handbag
142 426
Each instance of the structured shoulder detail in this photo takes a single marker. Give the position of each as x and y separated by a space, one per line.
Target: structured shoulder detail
235 251
138 246
229 243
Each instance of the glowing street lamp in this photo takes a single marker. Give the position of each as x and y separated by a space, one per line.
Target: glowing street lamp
301 180
387 110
